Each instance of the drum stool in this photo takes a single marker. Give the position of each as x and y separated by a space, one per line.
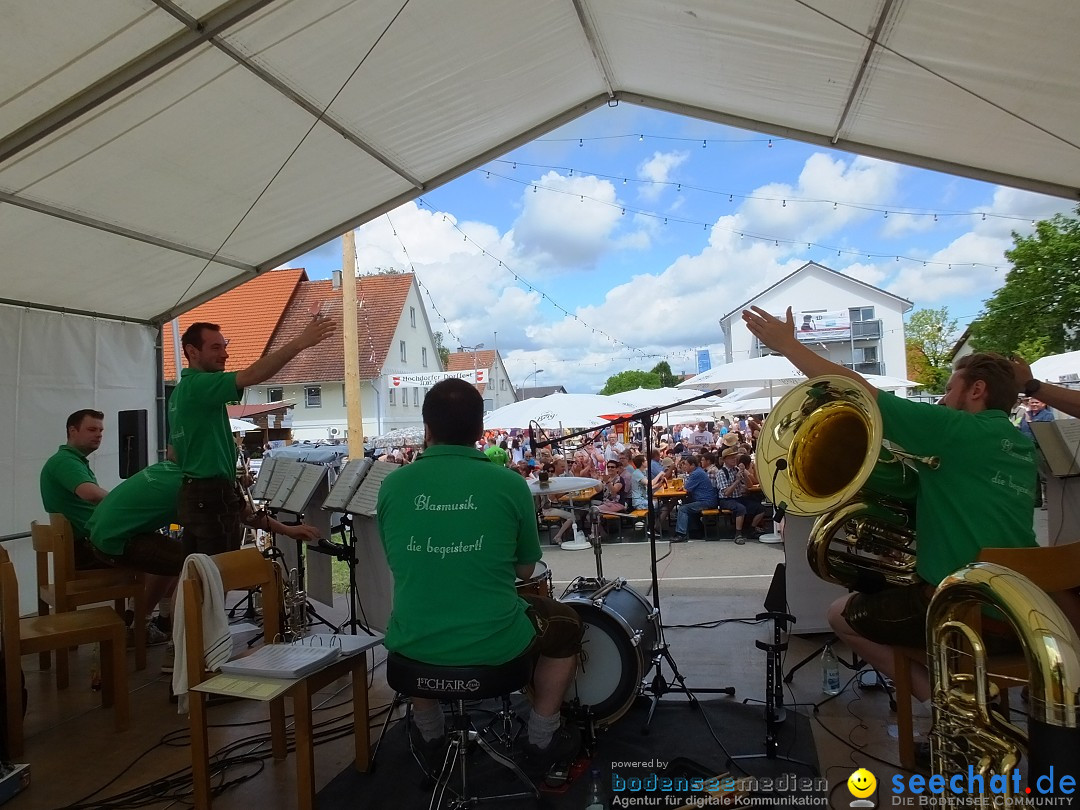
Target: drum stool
455 685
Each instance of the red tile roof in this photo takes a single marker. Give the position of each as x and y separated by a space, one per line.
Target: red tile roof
463 361
248 316
382 299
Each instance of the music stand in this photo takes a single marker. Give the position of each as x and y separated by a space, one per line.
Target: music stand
292 486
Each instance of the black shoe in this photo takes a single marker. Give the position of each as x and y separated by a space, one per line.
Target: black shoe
679 538
563 749
740 540
430 753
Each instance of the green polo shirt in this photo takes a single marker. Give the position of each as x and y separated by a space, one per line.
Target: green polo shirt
983 493
497 455
454 526
141 504
199 423
61 475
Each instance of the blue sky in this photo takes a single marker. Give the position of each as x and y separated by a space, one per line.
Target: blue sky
620 239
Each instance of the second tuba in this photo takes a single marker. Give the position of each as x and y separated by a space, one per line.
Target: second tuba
821 452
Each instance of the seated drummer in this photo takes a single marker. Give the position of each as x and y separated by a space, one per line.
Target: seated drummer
457 531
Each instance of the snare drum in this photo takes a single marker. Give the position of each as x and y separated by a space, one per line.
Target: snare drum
616 647
539 584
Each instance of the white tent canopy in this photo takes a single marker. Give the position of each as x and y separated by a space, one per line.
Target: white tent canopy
154 154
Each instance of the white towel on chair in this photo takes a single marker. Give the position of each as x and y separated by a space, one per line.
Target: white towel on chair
217 642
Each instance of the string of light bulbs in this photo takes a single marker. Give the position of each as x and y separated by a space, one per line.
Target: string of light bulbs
776 240
641 136
530 285
421 284
885 210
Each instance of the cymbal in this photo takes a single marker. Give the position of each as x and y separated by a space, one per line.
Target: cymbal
561 484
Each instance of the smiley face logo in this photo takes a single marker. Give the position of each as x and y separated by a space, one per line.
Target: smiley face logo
862 783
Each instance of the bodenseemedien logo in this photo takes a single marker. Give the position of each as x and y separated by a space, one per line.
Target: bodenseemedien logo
862 785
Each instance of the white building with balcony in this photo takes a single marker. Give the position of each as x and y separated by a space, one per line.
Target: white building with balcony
841 318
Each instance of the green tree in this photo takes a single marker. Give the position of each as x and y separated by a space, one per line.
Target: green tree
1041 294
932 332
663 372
629 380
444 353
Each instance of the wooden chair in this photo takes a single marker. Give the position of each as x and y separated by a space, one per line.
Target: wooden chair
1055 569
37 634
245 569
70 588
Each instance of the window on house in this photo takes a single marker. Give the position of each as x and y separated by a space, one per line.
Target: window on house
423 356
416 397
502 383
405 398
862 314
313 396
391 396
866 354
275 394
404 354
412 317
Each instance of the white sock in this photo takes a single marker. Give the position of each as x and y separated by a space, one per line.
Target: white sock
542 729
430 722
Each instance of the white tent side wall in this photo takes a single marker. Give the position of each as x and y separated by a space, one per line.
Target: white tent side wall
53 364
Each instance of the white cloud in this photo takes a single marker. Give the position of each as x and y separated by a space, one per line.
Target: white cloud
964 267
567 224
822 182
657 172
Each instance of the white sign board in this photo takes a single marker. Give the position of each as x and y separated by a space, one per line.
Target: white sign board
478 376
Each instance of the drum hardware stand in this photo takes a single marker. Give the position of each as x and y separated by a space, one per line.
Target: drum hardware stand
775 715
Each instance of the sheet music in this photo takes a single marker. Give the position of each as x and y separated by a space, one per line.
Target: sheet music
363 502
311 475
286 474
262 481
346 483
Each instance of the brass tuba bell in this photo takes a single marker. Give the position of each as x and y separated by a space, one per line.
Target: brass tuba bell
968 732
821 452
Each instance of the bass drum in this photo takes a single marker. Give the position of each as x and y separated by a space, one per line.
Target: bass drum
616 648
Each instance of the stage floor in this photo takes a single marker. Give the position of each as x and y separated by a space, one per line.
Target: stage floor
74 752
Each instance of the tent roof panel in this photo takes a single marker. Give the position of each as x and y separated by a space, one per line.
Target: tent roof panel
177 158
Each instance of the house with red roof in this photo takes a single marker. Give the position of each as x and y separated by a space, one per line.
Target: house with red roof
496 389
394 333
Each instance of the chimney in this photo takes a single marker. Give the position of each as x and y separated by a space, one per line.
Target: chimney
336 279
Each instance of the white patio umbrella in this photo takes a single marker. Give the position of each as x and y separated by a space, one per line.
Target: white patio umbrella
1057 368
559 410
769 370
242 425
662 397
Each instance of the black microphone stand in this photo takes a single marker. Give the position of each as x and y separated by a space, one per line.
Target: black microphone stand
661 651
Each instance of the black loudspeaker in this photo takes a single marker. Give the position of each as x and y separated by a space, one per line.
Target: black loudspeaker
134 453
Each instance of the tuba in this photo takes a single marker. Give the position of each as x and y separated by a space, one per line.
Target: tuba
821 452
967 731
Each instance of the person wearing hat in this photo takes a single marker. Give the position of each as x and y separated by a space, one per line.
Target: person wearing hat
732 485
730 439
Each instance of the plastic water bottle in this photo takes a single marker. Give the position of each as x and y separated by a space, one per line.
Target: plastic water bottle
578 536
830 672
596 800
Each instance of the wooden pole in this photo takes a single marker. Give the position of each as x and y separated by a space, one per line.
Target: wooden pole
353 409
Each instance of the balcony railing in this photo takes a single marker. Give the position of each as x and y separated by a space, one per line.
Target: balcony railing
867 368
